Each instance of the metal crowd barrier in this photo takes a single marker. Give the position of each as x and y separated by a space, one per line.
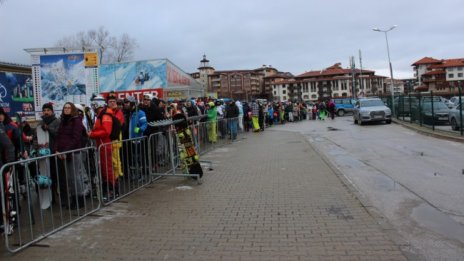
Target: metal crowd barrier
123 167
48 193
81 180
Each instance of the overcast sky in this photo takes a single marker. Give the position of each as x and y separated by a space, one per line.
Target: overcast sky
293 35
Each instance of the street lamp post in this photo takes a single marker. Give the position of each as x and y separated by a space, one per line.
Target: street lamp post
390 64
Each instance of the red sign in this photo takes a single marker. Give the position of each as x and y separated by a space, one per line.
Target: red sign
175 77
138 94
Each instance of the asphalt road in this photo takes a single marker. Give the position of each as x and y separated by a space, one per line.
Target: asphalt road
414 181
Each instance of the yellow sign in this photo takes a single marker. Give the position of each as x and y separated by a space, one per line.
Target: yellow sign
175 94
90 59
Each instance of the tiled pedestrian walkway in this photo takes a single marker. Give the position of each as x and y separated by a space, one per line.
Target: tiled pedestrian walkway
269 197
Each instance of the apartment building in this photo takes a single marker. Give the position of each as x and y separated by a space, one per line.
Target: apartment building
440 76
333 81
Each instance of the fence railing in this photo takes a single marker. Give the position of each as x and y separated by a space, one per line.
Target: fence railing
430 110
43 195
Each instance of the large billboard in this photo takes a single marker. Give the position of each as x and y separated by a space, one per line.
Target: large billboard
133 78
16 93
61 78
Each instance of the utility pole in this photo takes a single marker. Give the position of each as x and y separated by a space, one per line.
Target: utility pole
361 72
353 82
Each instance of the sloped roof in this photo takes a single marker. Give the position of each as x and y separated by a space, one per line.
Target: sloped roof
459 62
335 69
426 60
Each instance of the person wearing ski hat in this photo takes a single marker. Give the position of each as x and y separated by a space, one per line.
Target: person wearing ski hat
50 124
101 133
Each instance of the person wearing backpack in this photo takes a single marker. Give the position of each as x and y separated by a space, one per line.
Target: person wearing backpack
111 100
101 133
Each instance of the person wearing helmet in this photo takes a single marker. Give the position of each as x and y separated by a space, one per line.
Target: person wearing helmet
101 133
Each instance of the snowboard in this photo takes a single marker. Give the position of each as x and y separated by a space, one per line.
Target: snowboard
10 208
189 158
43 179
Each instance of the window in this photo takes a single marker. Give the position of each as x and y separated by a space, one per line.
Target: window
450 69
275 93
450 75
284 92
460 75
459 68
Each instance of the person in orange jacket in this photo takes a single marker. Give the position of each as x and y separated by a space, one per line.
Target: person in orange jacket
101 133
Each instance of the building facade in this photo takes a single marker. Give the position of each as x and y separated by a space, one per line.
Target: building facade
440 76
236 84
333 81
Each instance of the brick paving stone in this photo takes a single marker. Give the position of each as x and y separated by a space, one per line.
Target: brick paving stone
269 197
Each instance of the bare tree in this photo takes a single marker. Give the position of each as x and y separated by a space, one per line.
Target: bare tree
123 48
110 48
101 38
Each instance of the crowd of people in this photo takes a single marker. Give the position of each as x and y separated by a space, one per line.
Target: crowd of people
110 119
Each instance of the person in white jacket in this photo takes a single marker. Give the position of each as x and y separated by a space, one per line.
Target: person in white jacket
240 115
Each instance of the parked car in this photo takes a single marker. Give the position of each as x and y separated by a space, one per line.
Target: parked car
431 112
453 102
404 104
371 109
344 105
455 117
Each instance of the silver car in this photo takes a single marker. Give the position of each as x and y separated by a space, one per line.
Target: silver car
455 117
371 109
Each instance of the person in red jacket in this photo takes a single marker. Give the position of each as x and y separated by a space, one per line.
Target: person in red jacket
101 133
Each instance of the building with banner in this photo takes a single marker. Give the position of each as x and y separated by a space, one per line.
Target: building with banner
16 91
159 77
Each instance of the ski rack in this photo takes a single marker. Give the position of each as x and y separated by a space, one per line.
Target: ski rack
163 123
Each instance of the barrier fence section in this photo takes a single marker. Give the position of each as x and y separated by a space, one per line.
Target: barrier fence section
42 195
77 183
427 109
123 167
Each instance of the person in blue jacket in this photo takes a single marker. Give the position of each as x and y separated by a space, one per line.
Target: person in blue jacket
137 148
137 120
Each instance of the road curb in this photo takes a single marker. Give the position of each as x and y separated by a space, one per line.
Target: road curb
429 132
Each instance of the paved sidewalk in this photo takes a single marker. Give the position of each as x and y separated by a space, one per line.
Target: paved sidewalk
269 197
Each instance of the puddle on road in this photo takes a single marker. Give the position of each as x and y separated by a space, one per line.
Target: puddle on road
438 222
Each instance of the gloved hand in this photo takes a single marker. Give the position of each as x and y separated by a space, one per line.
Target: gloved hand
136 129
